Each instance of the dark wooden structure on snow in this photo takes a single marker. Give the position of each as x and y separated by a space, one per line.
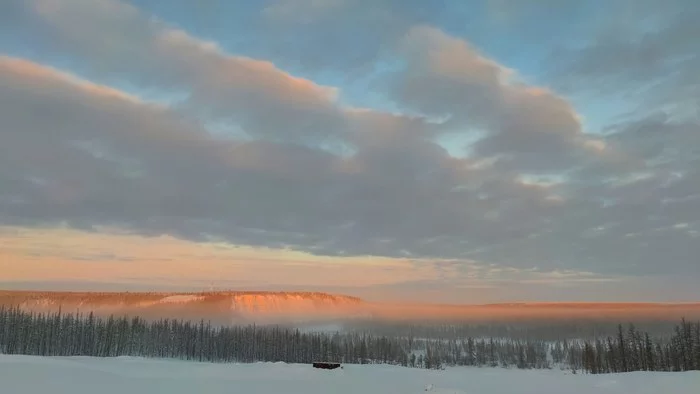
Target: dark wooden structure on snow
324 365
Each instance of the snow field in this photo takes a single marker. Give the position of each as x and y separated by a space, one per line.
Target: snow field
85 375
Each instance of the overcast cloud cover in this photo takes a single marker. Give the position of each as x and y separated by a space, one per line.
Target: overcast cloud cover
531 137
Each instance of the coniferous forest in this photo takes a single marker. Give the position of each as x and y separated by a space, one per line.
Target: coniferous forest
65 334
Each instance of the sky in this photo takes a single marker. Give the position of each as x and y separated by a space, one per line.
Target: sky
444 151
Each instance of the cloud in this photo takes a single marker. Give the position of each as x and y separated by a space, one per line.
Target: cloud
528 128
651 60
106 159
355 34
50 79
54 257
96 155
309 174
117 40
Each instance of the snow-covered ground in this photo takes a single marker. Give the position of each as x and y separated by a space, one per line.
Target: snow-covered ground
83 375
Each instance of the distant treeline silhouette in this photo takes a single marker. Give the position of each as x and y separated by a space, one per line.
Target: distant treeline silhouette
633 350
68 334
533 329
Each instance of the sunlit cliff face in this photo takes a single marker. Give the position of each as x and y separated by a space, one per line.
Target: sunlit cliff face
300 307
219 307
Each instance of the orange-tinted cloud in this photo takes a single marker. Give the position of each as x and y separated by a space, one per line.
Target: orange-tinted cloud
47 78
111 256
255 94
70 255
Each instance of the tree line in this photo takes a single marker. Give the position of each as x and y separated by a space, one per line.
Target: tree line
535 329
69 334
633 350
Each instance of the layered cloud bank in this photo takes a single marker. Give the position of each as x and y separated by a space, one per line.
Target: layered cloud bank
452 170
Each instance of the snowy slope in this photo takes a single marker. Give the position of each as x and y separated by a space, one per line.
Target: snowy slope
82 375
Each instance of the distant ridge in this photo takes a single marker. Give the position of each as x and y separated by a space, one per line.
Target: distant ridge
25 294
242 307
222 307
